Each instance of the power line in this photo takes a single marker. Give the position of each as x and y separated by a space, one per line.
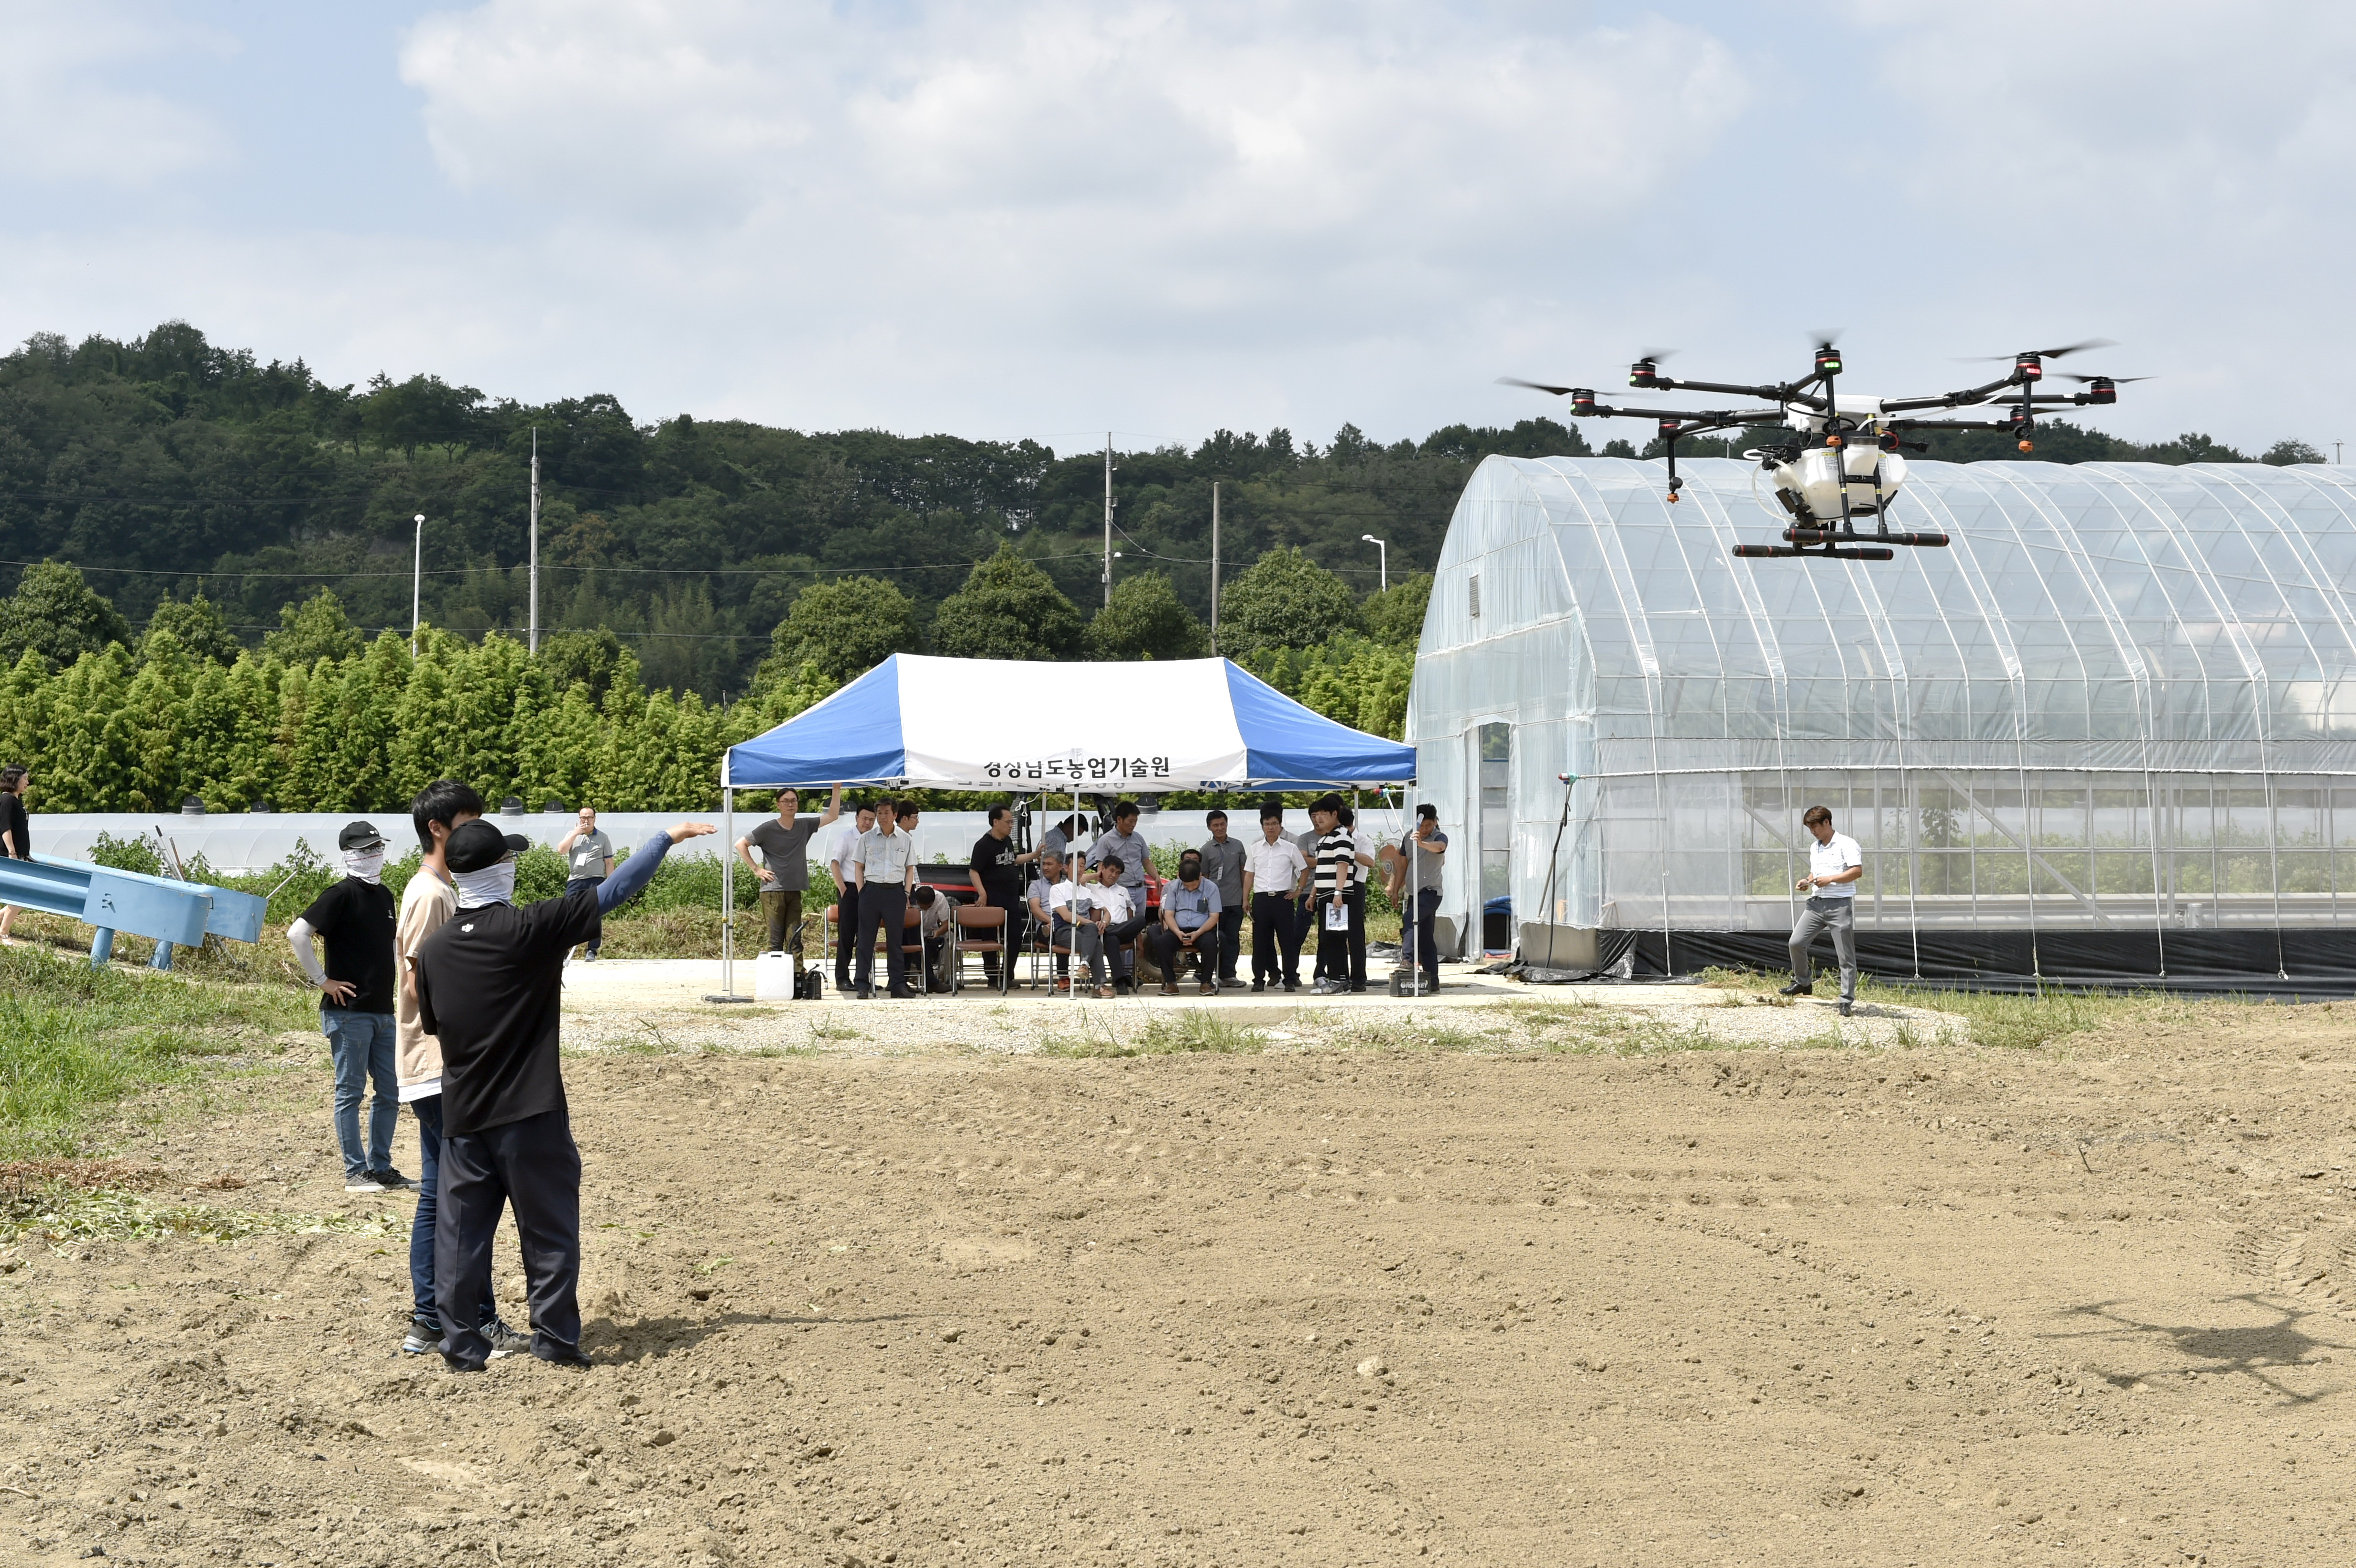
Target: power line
638 570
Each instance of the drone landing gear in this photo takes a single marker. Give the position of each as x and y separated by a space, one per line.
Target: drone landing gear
1765 551
1799 536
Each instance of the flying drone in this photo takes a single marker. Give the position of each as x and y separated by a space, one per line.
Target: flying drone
1845 460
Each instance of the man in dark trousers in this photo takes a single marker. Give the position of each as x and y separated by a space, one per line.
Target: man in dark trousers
997 868
488 985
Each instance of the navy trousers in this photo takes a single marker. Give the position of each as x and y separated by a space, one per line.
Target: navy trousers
534 1167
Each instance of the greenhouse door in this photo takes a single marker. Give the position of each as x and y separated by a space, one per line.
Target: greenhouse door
1495 922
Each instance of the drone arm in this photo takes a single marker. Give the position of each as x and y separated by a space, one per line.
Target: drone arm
1949 399
1766 394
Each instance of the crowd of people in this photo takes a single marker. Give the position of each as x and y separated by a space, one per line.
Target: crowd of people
1105 903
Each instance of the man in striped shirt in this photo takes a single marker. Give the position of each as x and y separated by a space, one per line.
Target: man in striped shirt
1337 894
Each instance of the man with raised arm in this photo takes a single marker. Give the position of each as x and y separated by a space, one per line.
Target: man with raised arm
490 984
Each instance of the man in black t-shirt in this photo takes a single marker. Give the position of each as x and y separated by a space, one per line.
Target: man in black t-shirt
356 917
16 827
997 868
489 983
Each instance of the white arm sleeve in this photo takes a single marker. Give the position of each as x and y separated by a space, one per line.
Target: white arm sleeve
298 938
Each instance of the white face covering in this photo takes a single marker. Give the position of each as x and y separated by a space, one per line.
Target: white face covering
491 885
367 865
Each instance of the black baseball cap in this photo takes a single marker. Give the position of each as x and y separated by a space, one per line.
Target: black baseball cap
476 845
360 835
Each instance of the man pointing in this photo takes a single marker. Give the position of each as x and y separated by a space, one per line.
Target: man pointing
488 985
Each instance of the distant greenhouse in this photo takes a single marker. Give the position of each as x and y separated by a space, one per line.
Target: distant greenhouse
2109 734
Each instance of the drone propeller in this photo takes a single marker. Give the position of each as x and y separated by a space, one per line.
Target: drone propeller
1535 386
2114 381
1656 355
2041 353
1826 336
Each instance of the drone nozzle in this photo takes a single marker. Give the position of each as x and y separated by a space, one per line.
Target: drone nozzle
1835 439
2028 367
2027 445
1644 373
1582 400
1889 441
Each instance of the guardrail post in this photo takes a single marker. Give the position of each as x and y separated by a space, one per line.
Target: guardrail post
162 959
102 947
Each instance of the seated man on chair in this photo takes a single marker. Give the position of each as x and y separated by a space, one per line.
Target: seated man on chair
1050 901
1102 908
937 926
1190 924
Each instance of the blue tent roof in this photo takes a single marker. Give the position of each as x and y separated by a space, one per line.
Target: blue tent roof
1007 724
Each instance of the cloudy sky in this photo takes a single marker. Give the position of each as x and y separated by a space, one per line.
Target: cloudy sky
1033 218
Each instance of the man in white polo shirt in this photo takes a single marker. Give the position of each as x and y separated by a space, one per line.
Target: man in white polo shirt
1835 863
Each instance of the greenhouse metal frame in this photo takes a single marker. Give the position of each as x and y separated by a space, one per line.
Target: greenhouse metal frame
2108 735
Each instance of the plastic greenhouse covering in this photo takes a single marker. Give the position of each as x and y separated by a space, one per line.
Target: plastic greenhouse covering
2109 732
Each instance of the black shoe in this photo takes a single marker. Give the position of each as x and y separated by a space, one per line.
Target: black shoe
1257 986
557 1355
1357 990
1798 988
902 993
390 1178
505 1342
1844 1010
1292 985
424 1338
865 994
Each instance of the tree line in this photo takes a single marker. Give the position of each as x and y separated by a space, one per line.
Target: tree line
167 466
322 716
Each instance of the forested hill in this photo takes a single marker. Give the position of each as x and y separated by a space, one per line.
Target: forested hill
165 465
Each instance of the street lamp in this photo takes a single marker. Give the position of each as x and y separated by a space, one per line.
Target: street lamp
416 583
1385 549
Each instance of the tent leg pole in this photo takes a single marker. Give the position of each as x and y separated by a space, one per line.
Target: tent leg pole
727 992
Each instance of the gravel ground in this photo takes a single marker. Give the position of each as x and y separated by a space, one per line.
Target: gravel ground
654 1007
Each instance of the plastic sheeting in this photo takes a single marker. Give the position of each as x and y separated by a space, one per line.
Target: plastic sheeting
2124 699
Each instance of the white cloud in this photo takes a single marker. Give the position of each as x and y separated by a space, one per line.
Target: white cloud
1052 168
61 120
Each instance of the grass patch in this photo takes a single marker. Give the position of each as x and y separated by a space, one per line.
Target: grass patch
1999 1020
1191 1030
65 1211
75 1041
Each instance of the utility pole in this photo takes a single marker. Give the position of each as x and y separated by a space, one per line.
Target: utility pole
1108 545
533 646
1214 566
2335 451
1384 546
416 583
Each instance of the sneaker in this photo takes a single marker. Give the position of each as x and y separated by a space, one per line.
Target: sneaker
425 1339
1798 988
1327 988
390 1178
505 1342
362 1182
1210 987
563 1356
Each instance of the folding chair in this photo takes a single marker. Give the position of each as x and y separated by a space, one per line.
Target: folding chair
1039 946
984 918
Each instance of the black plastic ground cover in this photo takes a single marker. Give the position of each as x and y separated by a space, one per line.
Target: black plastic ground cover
2317 962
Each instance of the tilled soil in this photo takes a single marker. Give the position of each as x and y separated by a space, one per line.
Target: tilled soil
1333 1307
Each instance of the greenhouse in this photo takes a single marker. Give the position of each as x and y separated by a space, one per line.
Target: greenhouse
2108 735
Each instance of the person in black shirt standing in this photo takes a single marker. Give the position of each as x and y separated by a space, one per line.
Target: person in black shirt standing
16 827
356 917
489 983
997 868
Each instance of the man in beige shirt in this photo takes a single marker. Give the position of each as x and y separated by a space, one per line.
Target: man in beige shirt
426 903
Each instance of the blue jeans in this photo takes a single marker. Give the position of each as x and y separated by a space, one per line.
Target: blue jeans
429 1202
362 1047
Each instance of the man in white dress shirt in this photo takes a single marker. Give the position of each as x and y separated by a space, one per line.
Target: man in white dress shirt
1835 863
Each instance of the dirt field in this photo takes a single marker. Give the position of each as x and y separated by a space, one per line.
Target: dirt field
1321 1307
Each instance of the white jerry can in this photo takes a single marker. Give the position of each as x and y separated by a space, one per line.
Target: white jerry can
773 977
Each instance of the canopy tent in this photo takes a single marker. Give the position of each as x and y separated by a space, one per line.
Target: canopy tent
1069 729
1006 724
